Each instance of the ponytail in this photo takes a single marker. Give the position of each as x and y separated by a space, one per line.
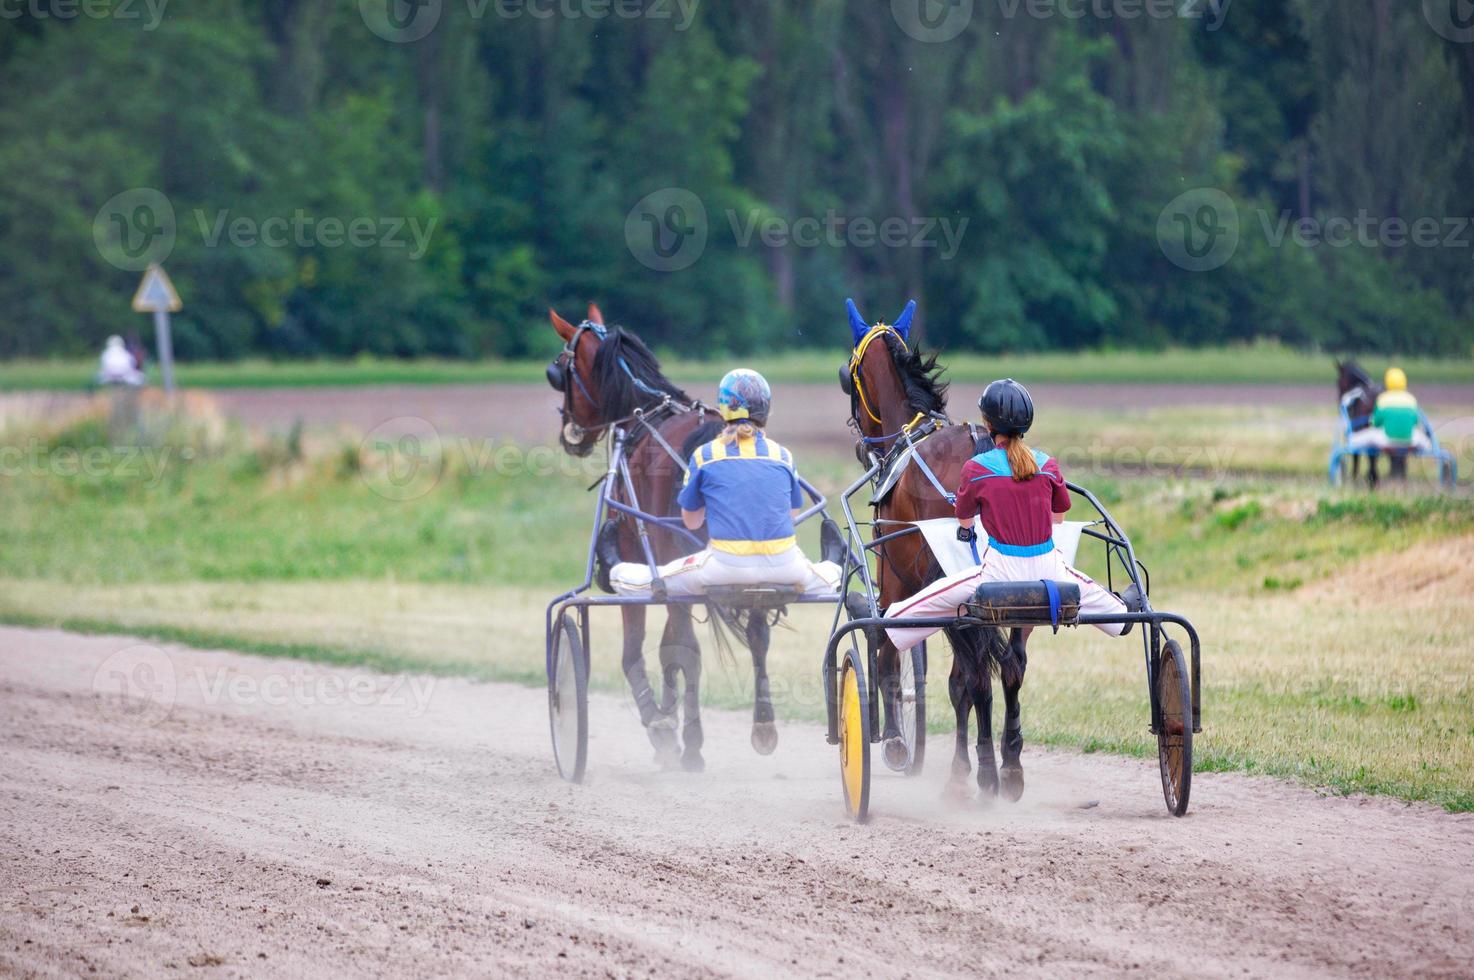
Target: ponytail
1020 459
741 429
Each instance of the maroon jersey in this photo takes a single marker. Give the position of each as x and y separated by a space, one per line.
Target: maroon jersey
1019 517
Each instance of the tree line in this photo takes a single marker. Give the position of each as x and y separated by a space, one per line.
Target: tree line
426 177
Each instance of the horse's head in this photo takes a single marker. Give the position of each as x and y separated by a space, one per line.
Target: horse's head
888 383
571 374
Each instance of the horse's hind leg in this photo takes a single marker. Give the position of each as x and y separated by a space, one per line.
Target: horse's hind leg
680 636
658 723
764 731
888 667
1013 726
959 688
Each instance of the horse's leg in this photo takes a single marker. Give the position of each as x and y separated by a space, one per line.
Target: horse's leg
764 731
1372 477
888 667
681 636
958 687
974 641
658 724
1013 671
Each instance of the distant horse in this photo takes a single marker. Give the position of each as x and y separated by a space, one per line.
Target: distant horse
896 393
1358 395
607 376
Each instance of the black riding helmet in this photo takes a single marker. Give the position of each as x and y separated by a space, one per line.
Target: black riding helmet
1007 408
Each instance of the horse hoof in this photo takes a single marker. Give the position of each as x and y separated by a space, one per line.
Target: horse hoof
897 756
667 747
957 791
764 737
691 761
988 782
1013 783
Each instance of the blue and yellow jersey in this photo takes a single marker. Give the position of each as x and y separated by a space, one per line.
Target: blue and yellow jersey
749 489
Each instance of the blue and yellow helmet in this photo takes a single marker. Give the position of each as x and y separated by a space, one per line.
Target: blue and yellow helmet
744 395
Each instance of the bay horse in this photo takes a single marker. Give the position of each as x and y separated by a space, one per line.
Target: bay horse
607 376
1358 393
896 393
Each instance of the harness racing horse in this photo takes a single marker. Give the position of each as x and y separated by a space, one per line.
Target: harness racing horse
898 401
1358 395
608 377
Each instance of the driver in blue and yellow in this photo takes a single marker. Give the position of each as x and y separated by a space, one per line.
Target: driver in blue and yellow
744 488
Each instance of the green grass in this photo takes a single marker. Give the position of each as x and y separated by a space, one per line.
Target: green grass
1260 363
1334 623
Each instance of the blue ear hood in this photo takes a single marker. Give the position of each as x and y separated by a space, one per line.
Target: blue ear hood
903 322
858 326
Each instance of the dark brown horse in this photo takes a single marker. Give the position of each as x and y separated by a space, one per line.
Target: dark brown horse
1358 394
606 377
893 388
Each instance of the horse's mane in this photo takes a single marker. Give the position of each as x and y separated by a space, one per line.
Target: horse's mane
623 358
920 375
1357 375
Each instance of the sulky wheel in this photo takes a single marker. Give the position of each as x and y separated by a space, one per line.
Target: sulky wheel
913 707
568 701
1175 733
854 736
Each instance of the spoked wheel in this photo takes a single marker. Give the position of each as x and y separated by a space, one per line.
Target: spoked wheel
913 707
854 736
568 701
1175 734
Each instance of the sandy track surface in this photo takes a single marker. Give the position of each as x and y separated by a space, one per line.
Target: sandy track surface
267 817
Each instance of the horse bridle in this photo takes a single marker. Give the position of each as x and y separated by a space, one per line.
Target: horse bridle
564 370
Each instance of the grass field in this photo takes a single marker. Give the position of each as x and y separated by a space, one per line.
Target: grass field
1260 364
1337 647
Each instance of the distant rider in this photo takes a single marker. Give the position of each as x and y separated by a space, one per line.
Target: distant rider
117 366
744 488
1398 417
1020 495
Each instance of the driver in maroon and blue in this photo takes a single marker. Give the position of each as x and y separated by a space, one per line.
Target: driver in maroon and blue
1019 495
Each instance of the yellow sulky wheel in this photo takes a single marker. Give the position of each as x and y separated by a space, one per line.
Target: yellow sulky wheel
854 737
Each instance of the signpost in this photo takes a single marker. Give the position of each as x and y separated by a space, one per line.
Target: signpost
156 295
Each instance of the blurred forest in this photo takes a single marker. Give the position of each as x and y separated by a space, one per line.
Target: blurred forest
527 140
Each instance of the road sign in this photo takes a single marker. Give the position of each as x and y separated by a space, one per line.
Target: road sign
156 295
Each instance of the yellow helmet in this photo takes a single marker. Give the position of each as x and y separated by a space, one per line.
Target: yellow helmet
1396 379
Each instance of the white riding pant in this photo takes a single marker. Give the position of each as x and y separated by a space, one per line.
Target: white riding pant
1374 438
694 574
945 596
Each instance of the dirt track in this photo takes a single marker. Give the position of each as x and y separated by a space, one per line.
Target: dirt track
247 820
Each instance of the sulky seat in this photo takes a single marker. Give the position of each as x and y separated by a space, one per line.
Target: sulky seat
752 596
1026 603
